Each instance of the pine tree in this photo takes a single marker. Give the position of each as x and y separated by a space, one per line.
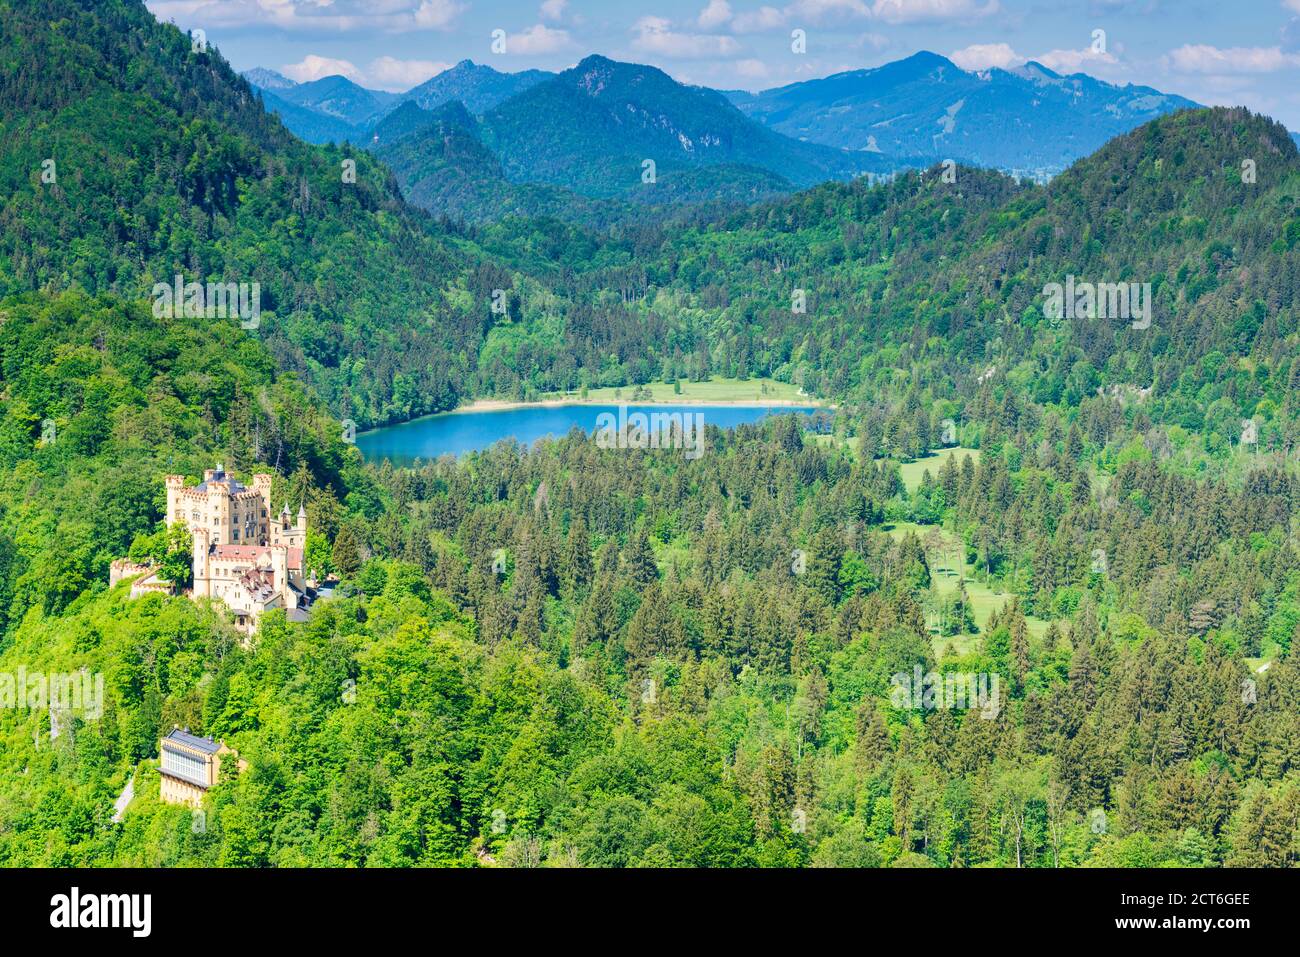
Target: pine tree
823 574
639 558
578 569
347 553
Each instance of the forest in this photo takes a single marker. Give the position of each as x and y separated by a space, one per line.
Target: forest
569 655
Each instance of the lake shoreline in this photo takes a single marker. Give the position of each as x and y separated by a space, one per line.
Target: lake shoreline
478 425
505 405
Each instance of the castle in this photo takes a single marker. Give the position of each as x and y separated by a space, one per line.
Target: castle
245 556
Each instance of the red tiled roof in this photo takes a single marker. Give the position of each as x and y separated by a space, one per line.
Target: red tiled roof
253 553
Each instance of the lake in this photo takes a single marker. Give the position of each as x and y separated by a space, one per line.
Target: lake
456 433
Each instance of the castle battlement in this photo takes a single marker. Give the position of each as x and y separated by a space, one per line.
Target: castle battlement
234 513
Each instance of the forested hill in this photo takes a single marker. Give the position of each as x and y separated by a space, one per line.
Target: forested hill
929 284
164 162
442 165
592 126
146 158
574 655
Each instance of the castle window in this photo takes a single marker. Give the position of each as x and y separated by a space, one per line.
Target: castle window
185 766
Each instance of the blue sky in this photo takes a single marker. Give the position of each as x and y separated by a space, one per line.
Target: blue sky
1213 51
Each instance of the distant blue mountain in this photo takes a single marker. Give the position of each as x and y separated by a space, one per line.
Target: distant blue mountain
268 79
478 87
592 127
308 124
339 97
335 108
1028 119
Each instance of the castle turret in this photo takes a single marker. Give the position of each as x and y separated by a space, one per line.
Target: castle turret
200 563
290 531
175 510
280 573
262 485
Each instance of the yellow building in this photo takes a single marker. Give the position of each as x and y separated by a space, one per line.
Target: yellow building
189 765
251 579
243 555
232 513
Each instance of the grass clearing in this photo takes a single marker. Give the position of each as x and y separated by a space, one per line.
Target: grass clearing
944 573
912 471
715 390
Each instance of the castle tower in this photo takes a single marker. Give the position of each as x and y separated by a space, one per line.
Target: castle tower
280 573
288 531
175 508
262 486
200 560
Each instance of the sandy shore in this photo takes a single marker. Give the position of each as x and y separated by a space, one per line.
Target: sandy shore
500 405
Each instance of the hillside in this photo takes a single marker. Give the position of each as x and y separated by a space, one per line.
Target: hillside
950 277
307 123
341 98
592 127
571 655
164 163
443 166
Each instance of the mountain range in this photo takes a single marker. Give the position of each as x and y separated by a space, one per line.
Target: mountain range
1028 119
340 98
590 129
920 303
601 130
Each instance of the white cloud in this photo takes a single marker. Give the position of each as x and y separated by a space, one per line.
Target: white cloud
876 41
312 16
553 10
1075 61
1203 58
314 67
766 17
383 73
752 69
714 15
982 56
436 14
387 73
655 35
755 21
539 39
907 11
816 11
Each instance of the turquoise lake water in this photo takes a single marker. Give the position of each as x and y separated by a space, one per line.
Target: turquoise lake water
456 433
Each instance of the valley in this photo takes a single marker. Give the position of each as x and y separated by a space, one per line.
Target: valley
515 636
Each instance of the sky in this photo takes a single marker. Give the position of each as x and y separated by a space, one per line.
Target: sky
1217 52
